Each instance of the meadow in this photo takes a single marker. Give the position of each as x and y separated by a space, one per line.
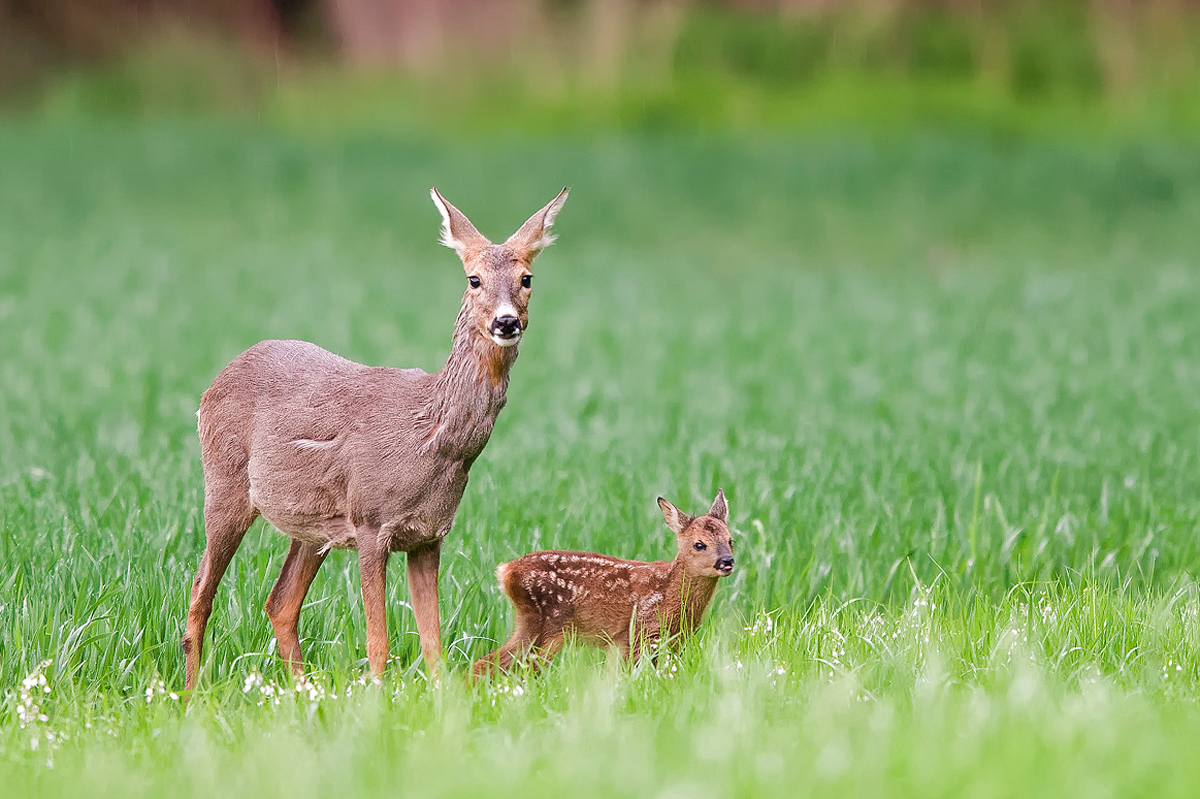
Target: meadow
950 384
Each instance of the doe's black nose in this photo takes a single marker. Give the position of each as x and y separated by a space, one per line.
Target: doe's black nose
506 326
725 564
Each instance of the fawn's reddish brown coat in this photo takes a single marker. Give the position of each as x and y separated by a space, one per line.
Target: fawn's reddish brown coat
601 600
340 455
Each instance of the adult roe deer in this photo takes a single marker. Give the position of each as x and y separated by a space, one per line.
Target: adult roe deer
340 455
603 601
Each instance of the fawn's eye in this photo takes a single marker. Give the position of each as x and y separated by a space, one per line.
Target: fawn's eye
701 546
474 281
526 281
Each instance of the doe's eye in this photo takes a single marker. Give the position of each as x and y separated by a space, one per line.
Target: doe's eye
474 281
701 546
526 281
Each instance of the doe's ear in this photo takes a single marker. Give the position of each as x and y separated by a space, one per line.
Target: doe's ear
535 236
676 519
720 508
457 231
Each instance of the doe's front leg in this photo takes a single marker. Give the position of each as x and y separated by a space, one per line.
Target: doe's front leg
423 586
372 562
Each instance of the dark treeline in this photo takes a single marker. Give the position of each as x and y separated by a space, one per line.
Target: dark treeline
407 31
1075 49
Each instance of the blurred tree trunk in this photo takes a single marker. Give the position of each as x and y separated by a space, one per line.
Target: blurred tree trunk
1113 27
418 33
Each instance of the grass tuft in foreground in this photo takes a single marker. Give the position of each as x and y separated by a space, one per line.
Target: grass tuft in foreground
1051 690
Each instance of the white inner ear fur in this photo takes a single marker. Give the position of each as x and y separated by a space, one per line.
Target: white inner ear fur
547 238
544 238
447 239
673 516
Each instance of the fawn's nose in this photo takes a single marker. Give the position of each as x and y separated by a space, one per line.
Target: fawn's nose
506 327
725 565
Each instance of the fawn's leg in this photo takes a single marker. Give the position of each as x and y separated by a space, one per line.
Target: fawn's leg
516 647
227 516
287 597
648 644
423 586
546 647
372 561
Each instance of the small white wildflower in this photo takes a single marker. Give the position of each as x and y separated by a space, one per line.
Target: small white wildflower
763 625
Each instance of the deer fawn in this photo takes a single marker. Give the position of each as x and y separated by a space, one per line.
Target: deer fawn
606 601
338 455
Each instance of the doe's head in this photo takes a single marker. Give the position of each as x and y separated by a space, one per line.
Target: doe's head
499 276
705 545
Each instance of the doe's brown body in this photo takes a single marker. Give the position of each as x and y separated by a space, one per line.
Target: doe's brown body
601 600
336 454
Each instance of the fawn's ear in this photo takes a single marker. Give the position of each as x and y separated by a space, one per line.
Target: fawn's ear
720 508
535 236
457 231
676 519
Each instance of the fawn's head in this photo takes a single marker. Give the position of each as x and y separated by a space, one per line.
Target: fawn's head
499 276
705 545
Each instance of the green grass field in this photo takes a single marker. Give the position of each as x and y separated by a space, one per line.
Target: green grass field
951 387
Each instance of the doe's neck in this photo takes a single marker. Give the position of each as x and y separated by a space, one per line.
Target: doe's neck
470 390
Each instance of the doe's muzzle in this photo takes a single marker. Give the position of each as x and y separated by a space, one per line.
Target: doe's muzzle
506 327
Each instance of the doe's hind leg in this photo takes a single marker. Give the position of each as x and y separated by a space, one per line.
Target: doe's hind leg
287 597
227 515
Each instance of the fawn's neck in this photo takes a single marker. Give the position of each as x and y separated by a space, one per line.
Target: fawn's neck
469 391
686 598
